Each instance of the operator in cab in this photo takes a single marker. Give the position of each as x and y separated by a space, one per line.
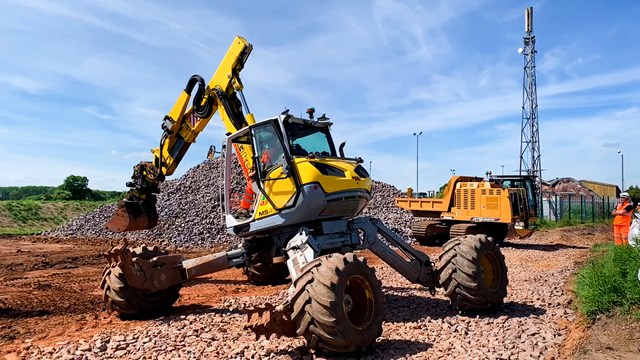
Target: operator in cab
249 193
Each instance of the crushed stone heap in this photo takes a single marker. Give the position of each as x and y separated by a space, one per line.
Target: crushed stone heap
190 215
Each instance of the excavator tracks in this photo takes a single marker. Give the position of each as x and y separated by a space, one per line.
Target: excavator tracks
462 229
429 232
419 230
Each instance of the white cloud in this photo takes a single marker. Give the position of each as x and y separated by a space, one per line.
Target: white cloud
90 89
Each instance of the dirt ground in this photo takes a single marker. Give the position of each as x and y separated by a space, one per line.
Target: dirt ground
49 292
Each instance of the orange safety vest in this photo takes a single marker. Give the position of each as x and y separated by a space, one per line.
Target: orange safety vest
623 219
249 194
247 198
266 157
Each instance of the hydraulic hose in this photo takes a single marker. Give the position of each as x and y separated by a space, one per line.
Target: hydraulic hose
205 110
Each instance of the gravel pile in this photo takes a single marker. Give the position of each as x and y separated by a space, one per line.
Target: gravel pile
188 209
190 215
531 324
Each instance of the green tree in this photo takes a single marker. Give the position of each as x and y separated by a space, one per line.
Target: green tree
634 191
440 193
61 194
78 186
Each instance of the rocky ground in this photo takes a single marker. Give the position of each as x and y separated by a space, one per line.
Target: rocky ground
51 305
51 308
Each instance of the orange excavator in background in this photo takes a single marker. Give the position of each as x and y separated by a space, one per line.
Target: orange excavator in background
500 207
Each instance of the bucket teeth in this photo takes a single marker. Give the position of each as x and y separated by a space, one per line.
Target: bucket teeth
115 254
268 320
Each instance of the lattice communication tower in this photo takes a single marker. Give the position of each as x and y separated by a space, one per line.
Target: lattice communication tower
529 136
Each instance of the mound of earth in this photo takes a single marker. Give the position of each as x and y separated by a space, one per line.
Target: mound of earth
190 213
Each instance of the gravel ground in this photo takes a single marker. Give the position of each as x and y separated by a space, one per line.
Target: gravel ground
531 324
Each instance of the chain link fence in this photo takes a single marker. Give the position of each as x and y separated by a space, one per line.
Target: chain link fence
572 207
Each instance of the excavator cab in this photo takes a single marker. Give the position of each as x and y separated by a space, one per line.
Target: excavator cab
258 175
301 163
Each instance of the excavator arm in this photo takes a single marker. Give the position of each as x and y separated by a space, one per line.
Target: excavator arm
181 126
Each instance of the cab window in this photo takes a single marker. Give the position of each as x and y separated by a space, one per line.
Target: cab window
305 139
268 148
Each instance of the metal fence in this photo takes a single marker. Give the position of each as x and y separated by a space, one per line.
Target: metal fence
576 207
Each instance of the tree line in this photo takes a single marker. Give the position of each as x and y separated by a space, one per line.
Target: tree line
74 187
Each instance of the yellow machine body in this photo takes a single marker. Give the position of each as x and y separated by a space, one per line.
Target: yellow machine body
475 205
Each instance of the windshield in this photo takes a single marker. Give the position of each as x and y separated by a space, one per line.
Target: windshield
306 139
526 184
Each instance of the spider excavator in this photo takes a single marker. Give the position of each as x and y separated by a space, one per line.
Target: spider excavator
302 226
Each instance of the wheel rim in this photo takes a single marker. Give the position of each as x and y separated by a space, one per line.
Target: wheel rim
490 270
358 303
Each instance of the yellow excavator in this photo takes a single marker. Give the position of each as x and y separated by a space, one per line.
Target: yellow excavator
297 221
503 206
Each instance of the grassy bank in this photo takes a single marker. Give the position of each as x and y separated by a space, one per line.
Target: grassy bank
26 217
609 282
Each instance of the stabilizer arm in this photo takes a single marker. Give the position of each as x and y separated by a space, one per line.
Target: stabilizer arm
161 272
415 265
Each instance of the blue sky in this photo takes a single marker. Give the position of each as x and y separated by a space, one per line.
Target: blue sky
84 85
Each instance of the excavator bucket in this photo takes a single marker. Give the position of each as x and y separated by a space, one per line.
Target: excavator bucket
268 319
514 233
133 215
524 233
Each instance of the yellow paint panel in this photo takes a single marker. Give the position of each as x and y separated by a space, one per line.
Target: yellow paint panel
330 184
280 191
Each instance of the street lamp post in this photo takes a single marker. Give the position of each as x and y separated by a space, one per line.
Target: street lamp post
622 166
502 169
369 168
417 135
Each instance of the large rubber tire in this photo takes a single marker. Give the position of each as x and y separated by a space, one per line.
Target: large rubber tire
260 269
338 304
473 273
130 302
267 273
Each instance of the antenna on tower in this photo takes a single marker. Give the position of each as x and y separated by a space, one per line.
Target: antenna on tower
529 135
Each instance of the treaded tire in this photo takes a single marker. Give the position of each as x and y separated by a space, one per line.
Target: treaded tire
260 269
267 273
473 273
129 302
338 304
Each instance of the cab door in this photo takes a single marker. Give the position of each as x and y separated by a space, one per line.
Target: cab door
278 187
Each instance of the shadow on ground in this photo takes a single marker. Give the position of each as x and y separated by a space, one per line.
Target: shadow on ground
541 247
386 349
410 308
